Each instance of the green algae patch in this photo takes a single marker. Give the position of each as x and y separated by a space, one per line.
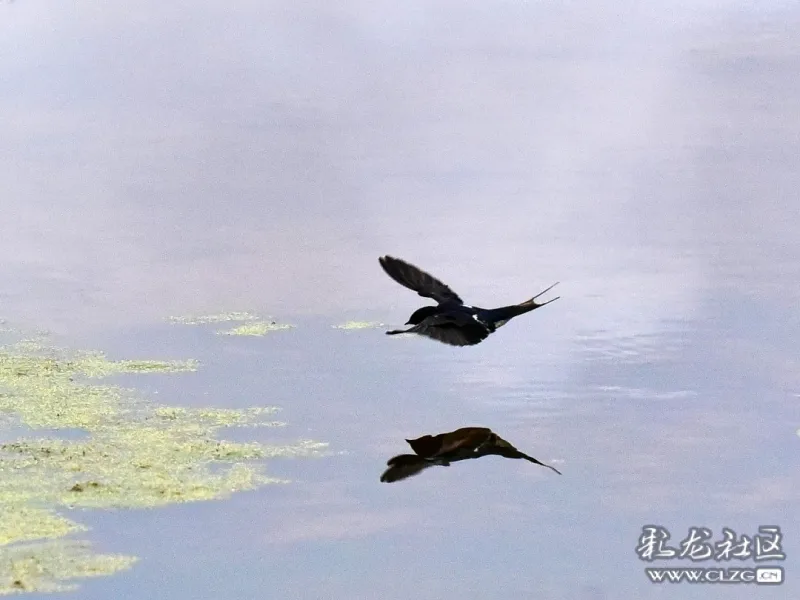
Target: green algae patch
222 417
218 318
256 328
44 390
358 325
49 566
96 365
300 449
251 324
20 522
131 453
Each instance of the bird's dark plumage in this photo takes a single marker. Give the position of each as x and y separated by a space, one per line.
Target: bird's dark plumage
450 322
454 328
404 466
445 448
418 280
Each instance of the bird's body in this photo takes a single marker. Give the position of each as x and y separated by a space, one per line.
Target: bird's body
450 321
446 448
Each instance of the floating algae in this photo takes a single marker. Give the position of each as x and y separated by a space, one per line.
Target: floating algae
39 387
134 454
256 328
358 325
219 318
46 566
20 522
253 324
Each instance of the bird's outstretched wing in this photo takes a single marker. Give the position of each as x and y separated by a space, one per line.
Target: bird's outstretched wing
418 280
404 466
456 330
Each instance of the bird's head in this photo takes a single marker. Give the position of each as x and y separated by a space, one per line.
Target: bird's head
421 314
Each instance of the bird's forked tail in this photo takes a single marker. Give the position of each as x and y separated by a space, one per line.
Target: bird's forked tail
496 317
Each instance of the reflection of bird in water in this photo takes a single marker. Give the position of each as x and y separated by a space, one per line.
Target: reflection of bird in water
450 322
446 448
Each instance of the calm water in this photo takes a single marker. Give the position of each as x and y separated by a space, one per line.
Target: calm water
172 159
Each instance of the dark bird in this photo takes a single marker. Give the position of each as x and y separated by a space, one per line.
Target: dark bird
446 448
451 321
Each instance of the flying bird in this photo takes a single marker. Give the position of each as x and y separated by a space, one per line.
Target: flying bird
451 322
446 448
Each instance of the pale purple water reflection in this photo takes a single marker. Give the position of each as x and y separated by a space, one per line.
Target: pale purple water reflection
179 160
